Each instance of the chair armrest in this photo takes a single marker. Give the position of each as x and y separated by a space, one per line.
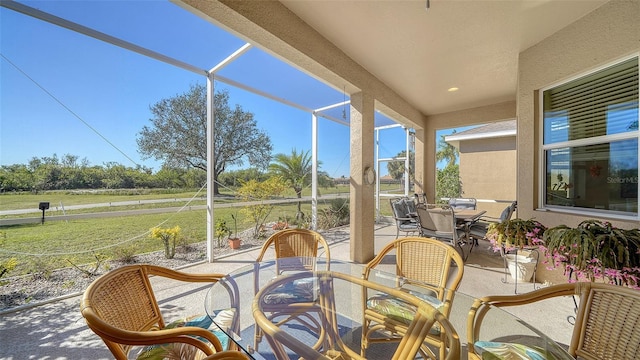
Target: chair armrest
186 334
181 276
481 306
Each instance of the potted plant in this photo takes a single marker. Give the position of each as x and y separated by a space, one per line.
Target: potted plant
234 242
517 234
280 225
595 250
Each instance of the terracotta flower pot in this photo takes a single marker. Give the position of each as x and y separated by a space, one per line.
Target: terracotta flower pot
234 243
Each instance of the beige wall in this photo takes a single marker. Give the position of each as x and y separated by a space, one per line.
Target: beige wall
475 116
488 171
605 35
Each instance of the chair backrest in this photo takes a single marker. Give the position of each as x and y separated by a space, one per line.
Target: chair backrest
421 198
463 203
290 243
439 218
399 208
410 205
507 213
431 263
607 323
121 299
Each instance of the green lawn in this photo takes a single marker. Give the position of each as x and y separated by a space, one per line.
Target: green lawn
55 244
51 245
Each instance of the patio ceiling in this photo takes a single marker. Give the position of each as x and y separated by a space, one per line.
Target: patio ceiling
420 53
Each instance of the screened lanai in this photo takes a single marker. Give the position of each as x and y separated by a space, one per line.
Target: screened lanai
215 57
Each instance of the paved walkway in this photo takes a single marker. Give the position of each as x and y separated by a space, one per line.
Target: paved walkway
57 330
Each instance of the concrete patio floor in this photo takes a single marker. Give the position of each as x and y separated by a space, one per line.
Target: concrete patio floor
56 330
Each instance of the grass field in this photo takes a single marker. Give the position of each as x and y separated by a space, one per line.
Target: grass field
55 244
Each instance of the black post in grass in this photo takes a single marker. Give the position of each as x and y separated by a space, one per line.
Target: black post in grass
43 206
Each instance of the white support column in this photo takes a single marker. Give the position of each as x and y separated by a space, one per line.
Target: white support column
407 161
314 171
377 152
211 223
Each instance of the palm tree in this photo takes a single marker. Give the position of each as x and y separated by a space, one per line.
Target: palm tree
446 151
295 170
396 168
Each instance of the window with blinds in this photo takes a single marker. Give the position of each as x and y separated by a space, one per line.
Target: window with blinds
590 141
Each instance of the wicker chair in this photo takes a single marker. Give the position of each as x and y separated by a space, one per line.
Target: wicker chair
607 323
423 262
424 318
121 308
293 243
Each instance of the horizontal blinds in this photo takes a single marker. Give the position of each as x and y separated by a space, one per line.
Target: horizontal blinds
602 103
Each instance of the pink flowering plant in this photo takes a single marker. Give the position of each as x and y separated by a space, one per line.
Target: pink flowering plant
515 234
595 250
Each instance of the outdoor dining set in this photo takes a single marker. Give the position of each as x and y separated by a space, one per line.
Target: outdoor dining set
296 302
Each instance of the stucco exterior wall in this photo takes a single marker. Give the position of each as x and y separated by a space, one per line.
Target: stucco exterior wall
488 171
605 35
474 116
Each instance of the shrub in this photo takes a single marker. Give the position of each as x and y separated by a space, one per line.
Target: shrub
126 253
336 215
169 237
222 230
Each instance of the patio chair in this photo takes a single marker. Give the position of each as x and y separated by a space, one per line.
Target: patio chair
607 325
463 203
297 301
439 221
421 198
404 210
478 230
423 262
121 308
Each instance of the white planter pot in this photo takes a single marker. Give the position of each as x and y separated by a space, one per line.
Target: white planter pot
523 268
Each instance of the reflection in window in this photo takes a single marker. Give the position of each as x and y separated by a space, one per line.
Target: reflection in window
590 141
603 176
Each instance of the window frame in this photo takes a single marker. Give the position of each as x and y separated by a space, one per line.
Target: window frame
544 148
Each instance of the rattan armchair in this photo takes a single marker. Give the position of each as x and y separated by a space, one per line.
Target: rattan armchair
607 325
301 245
121 308
422 262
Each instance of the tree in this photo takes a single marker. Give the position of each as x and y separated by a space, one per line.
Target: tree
295 171
179 128
396 168
448 183
253 190
446 151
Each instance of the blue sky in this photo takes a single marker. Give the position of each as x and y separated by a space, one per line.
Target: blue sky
66 93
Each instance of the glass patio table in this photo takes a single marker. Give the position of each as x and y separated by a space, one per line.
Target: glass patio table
346 299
